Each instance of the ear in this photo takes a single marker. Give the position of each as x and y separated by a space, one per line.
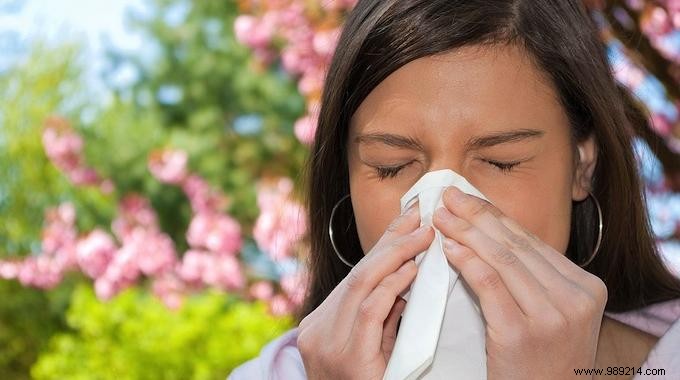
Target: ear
585 167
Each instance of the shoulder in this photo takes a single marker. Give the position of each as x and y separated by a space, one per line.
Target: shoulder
278 359
665 355
663 321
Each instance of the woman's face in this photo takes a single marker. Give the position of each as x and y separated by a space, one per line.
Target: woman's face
486 113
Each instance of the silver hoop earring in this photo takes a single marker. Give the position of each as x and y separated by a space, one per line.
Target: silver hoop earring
330 233
599 232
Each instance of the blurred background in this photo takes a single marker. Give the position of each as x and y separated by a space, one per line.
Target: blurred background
151 224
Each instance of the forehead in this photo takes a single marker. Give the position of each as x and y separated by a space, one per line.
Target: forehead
492 87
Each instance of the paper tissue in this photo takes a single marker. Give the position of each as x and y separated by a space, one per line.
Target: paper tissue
442 331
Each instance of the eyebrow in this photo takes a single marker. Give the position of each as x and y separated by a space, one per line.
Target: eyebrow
503 137
475 143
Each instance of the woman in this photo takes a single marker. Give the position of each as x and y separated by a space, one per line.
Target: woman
517 97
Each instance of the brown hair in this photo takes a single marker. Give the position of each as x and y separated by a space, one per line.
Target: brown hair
380 36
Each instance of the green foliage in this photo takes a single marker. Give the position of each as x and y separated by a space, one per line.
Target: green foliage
197 56
28 317
135 337
47 83
213 81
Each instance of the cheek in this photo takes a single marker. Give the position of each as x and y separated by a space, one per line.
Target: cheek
549 217
375 207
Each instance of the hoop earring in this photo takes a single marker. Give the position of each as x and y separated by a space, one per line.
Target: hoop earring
599 233
330 233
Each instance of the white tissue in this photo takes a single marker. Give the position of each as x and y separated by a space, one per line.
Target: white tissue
442 331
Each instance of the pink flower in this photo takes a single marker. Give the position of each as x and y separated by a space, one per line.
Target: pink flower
655 22
261 290
661 125
224 273
133 211
253 32
94 253
202 267
193 264
64 147
280 305
9 270
168 166
282 221
294 285
39 271
82 176
170 289
325 42
305 129
201 196
218 233
311 82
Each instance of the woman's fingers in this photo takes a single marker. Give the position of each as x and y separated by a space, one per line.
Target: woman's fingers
522 284
390 327
555 272
373 311
487 218
498 305
399 244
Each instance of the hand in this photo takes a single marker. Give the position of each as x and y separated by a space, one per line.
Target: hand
543 312
351 334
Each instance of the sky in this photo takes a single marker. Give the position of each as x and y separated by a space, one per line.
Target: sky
96 23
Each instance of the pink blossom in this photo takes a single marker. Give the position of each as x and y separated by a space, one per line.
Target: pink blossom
261 290
661 125
305 129
40 272
170 289
280 305
325 41
59 231
337 5
224 273
282 221
82 176
64 147
201 196
168 166
294 286
94 253
215 232
9 270
121 272
311 82
152 251
655 21
59 236
134 211
253 32
202 267
192 266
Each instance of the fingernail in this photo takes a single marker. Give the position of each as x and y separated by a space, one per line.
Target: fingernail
411 209
456 194
443 212
451 245
421 229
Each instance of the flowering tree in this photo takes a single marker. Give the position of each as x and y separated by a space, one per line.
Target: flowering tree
643 39
138 247
214 251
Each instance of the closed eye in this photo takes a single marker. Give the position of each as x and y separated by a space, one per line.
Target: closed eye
503 166
392 171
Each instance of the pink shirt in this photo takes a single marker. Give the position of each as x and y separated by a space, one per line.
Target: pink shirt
281 360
